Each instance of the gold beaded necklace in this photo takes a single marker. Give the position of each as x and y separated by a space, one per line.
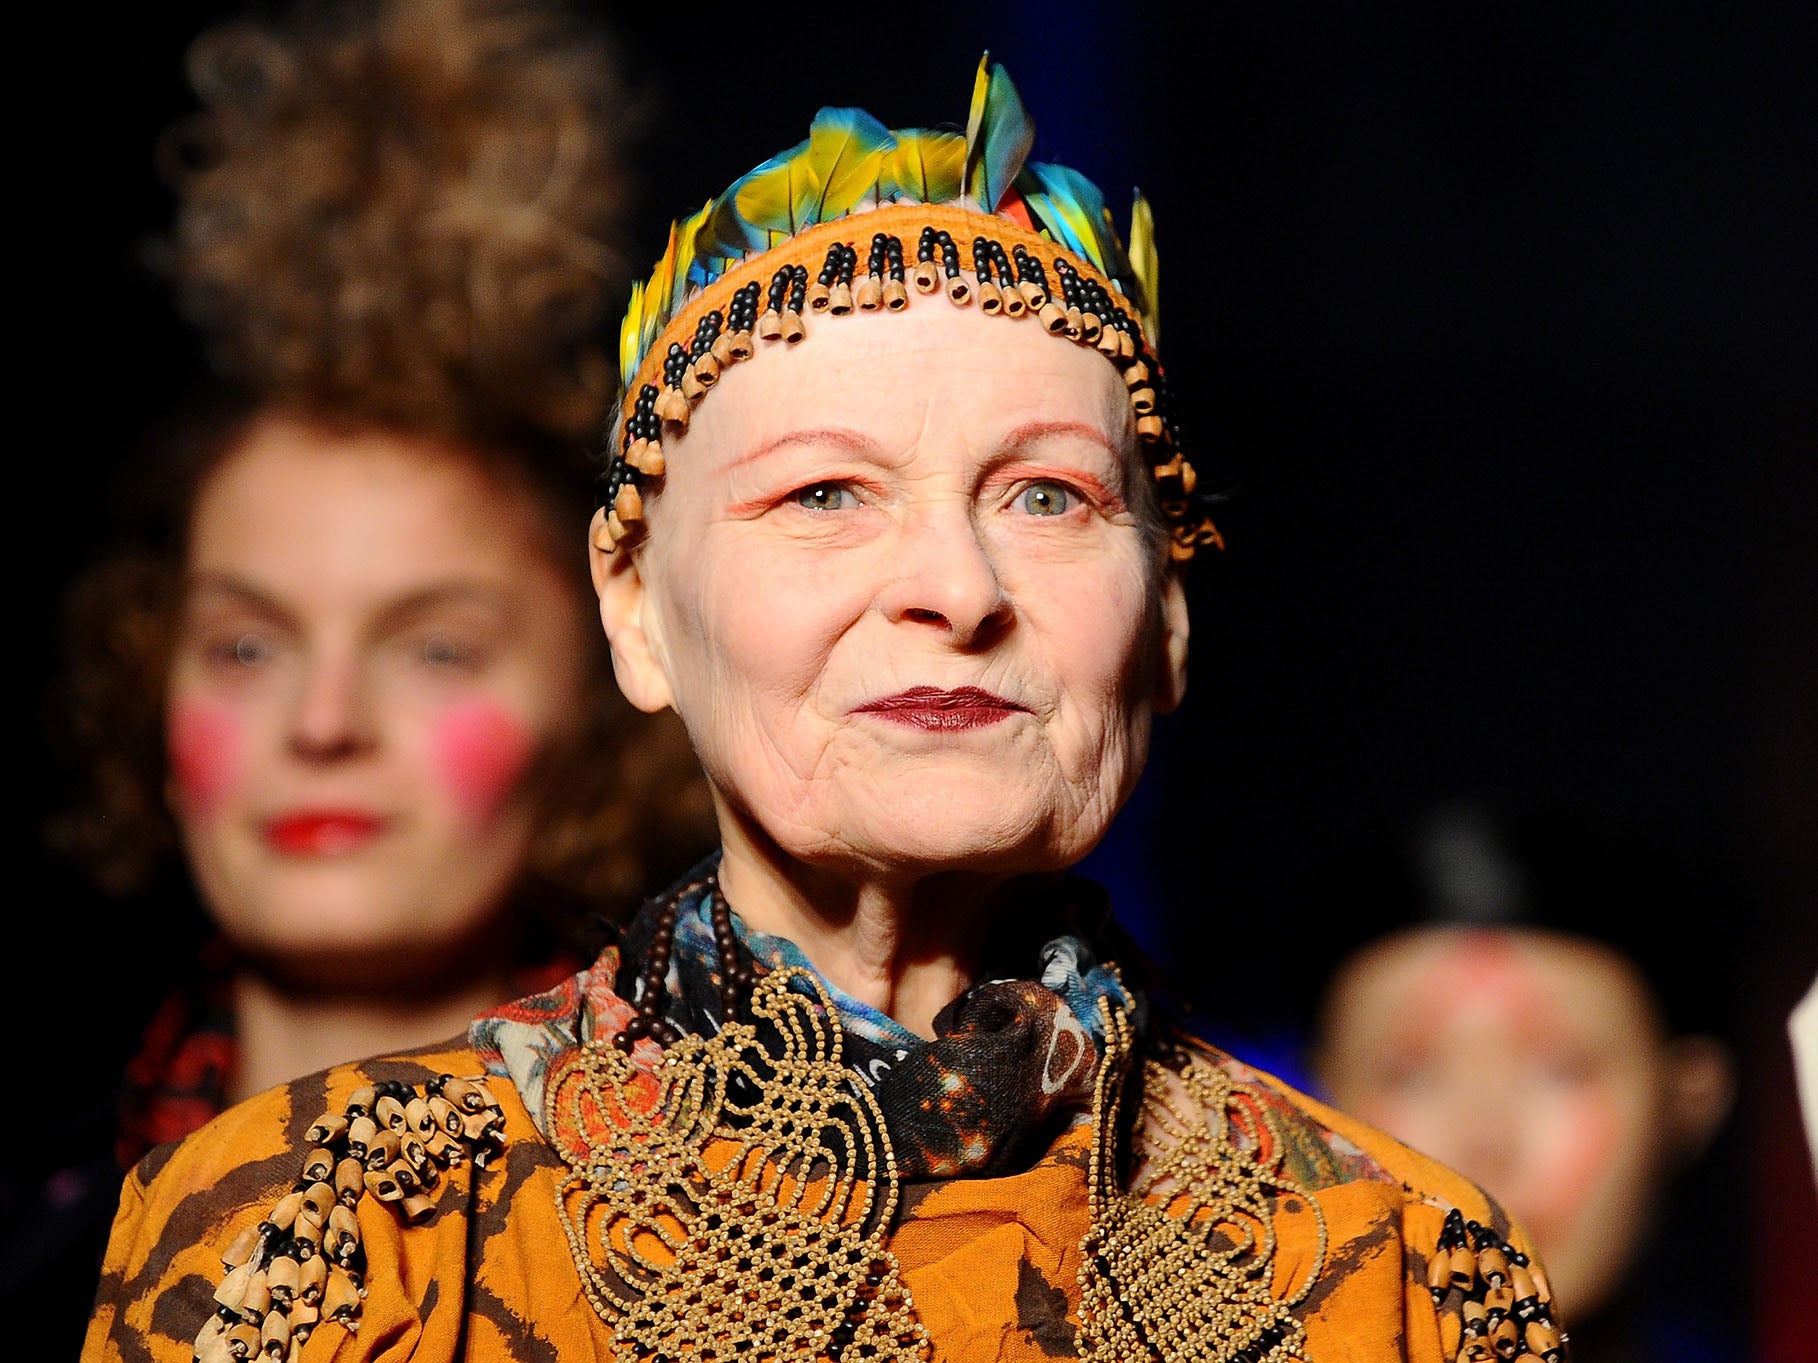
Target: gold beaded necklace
1178 1261
740 1197
714 1216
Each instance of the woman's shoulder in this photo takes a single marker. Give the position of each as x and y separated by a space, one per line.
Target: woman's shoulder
281 1118
261 1222
1374 1220
1324 1147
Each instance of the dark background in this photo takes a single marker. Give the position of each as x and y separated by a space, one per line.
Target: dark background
1497 323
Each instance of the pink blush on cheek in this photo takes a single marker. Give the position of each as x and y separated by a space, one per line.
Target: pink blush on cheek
203 742
1587 1149
482 749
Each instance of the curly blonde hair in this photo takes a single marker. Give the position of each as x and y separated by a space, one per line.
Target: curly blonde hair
407 208
395 216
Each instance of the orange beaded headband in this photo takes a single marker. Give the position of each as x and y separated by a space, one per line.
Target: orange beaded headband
784 246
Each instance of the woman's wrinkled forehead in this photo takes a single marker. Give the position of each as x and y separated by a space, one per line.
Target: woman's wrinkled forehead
887 381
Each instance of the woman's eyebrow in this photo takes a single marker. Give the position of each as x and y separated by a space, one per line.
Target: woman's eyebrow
212 587
454 593
1031 431
843 437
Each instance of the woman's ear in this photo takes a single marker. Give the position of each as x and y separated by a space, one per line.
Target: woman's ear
1701 1089
1171 662
632 630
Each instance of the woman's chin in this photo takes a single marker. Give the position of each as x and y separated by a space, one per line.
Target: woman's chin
988 846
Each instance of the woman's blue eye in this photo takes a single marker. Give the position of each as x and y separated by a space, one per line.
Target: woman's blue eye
823 497
1047 499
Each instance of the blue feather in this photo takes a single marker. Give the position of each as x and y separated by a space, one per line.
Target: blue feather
1072 209
999 134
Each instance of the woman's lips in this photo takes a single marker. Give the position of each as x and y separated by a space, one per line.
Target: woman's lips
319 833
928 707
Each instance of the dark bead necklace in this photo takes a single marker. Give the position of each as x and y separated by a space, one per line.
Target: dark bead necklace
736 977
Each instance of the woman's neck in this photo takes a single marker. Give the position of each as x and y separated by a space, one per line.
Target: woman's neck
907 945
281 1033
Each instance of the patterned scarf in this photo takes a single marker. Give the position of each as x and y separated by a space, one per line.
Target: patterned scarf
1014 1058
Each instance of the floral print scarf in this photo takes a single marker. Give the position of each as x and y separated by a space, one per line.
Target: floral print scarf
1013 1059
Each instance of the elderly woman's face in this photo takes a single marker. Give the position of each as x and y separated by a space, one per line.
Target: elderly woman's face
904 585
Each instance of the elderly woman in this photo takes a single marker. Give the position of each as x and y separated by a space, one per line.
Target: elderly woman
895 520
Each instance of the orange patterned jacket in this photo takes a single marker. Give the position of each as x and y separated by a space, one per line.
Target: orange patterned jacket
992 1264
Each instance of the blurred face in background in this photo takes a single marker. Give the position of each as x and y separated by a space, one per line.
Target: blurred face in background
1538 1065
375 645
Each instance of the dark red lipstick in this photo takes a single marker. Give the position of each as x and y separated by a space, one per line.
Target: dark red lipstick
929 707
321 832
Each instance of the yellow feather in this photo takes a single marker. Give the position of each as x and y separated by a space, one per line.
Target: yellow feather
685 233
1145 267
768 200
925 166
631 336
845 149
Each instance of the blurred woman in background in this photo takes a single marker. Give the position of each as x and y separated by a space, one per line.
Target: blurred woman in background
352 759
1526 998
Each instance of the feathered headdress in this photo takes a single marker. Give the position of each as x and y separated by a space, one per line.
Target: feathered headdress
986 224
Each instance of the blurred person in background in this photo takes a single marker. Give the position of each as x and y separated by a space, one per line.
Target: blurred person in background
350 759
1544 1005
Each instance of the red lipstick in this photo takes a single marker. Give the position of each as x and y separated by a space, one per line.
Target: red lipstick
321 832
929 707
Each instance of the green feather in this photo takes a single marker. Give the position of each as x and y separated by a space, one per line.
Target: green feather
998 136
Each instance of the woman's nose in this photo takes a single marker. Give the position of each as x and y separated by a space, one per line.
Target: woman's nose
948 580
330 715
1486 1126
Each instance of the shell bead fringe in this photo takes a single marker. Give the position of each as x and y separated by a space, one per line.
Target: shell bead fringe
304 1263
771 303
1494 1305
